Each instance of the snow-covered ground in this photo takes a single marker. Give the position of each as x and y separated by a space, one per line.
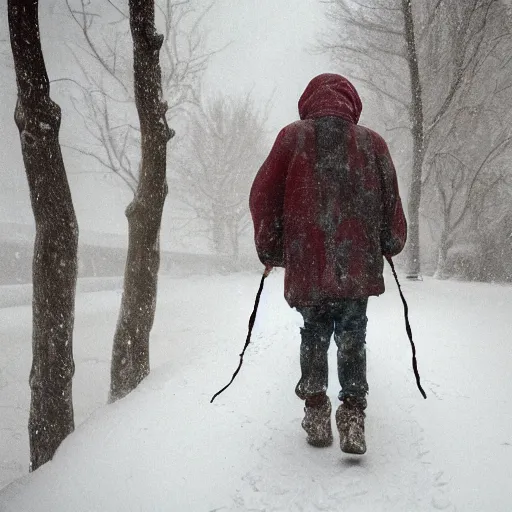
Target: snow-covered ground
166 448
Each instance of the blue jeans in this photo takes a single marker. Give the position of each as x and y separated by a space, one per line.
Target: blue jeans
347 319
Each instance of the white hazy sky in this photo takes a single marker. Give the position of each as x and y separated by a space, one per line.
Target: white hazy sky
269 51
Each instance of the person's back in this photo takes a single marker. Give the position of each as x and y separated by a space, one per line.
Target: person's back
326 207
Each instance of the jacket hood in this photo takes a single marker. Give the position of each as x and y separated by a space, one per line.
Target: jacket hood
330 95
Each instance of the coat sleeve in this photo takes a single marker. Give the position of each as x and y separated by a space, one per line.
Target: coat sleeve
266 203
394 226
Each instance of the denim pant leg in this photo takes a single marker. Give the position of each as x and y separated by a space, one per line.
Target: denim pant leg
350 338
316 335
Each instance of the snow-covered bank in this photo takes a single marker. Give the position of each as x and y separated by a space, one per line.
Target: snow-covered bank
165 447
173 342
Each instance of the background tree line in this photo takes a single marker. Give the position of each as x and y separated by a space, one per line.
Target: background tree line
208 184
440 72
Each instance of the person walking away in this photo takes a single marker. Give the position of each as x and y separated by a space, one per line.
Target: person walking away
325 206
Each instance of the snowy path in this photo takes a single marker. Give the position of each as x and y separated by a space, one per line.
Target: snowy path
165 448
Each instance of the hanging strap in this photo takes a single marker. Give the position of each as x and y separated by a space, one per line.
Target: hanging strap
249 332
407 328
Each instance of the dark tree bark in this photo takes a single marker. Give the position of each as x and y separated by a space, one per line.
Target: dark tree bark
130 355
55 251
416 113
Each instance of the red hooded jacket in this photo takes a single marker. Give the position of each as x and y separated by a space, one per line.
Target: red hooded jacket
325 203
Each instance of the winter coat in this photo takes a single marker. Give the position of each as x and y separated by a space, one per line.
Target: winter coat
325 203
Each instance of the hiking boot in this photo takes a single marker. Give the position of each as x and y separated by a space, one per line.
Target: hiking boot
317 421
350 422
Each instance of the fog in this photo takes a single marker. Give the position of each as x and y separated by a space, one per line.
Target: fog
233 72
264 49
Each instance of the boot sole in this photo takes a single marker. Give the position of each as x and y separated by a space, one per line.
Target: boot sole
352 450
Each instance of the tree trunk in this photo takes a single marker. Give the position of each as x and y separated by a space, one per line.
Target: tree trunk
413 236
218 229
235 243
442 252
54 269
130 354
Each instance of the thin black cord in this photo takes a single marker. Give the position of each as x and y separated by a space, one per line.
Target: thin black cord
407 328
248 339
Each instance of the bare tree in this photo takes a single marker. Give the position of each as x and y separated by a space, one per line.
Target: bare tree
462 190
418 143
441 44
105 101
107 98
55 250
226 145
469 145
130 354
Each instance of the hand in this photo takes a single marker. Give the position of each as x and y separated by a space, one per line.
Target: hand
268 269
